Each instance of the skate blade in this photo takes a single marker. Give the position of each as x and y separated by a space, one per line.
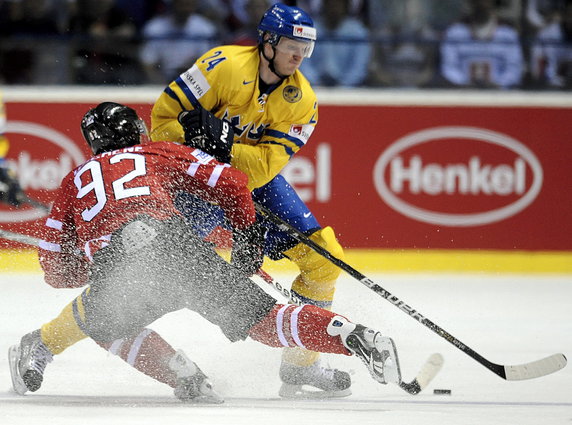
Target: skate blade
204 399
17 381
302 392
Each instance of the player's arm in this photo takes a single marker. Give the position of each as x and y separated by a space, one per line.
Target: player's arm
218 183
248 235
226 186
199 86
263 161
63 266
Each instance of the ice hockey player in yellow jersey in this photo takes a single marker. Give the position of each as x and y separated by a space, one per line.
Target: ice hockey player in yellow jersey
253 107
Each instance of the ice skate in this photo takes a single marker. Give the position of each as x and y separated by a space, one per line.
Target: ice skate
314 381
376 351
28 362
193 385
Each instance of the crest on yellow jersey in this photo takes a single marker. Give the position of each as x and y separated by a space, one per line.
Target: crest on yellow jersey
292 94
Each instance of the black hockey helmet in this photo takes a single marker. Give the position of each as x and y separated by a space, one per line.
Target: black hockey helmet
111 126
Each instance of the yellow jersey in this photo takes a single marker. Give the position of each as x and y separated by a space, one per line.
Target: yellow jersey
269 127
3 140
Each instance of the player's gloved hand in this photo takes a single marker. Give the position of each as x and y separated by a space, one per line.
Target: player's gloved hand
248 248
208 133
10 190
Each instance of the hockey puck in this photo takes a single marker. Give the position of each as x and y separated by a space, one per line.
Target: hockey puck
442 392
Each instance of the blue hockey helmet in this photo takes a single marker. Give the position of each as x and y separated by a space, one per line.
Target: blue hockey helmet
287 21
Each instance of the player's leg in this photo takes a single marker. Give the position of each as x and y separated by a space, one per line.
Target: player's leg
150 354
313 328
146 352
314 285
29 359
148 282
225 297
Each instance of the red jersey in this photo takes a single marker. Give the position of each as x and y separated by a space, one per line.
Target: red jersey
112 188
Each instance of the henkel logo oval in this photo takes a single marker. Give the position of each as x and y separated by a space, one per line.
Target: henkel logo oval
429 174
45 156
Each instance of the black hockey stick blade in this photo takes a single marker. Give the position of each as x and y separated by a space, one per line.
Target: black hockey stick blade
530 370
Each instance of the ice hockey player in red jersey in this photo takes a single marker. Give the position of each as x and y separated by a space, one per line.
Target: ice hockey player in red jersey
114 228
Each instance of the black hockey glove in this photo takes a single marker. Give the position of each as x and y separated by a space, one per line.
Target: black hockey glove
208 133
10 190
248 248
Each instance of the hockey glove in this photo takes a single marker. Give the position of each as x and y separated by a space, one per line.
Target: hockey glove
248 248
10 190
208 133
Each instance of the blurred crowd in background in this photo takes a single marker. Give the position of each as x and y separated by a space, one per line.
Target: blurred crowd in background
497 44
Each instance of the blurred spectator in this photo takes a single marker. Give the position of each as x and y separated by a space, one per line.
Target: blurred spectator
406 47
510 11
41 17
316 7
552 53
174 40
343 50
541 13
105 50
33 52
439 14
481 51
140 11
218 12
247 34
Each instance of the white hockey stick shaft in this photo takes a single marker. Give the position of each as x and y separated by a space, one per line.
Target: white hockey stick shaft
19 237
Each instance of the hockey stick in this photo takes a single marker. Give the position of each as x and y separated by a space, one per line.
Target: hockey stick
428 371
530 370
19 237
36 204
425 375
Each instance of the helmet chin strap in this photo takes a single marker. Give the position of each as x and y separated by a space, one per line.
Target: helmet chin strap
271 61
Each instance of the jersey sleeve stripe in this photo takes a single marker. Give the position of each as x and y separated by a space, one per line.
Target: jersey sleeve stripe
186 91
214 177
169 92
280 325
288 149
280 135
54 224
48 246
294 326
136 346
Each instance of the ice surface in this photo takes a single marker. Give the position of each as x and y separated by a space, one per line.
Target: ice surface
509 319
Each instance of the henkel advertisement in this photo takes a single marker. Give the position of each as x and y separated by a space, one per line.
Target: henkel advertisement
395 177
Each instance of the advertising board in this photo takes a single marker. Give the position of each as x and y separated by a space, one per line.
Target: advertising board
461 177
